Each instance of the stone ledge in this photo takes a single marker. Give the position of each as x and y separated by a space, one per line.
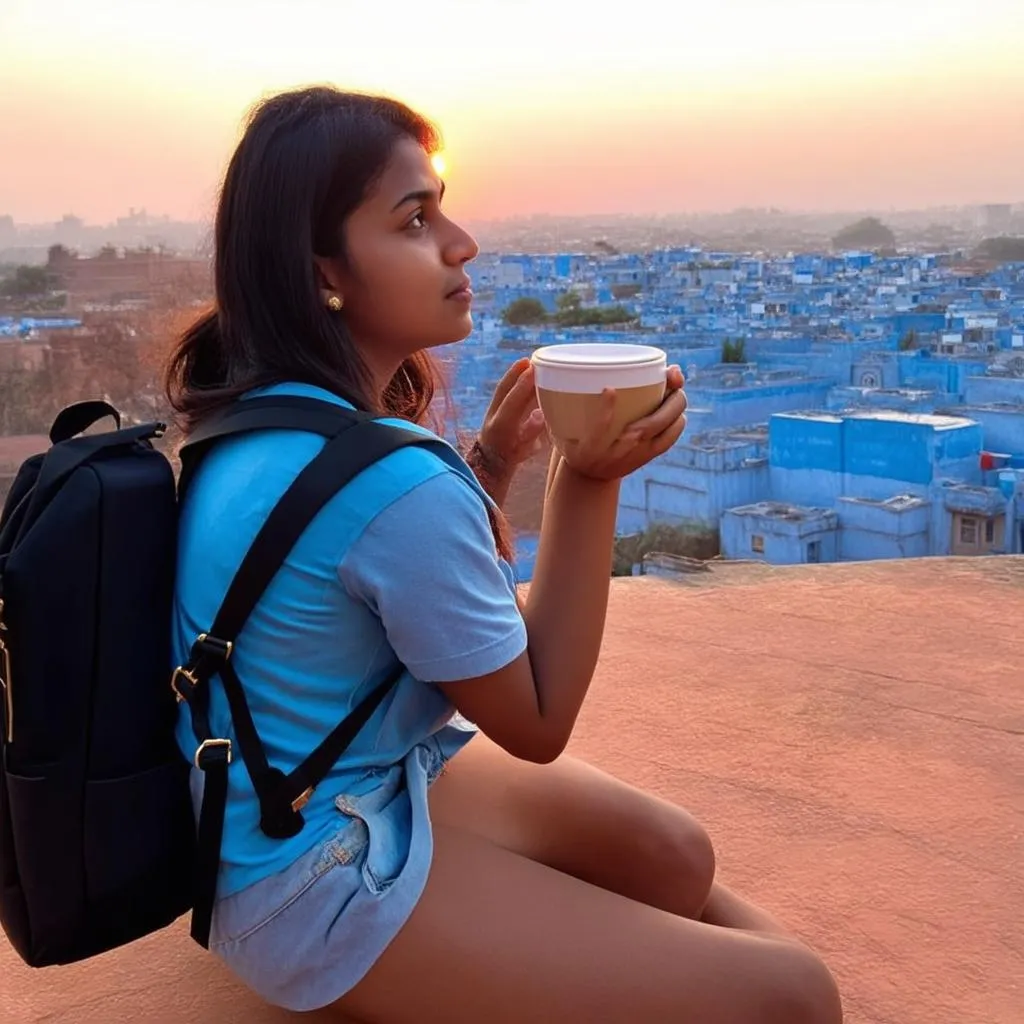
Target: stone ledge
851 736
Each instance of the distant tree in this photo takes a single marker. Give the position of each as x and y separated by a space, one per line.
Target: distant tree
568 300
734 351
571 314
908 341
869 233
525 313
24 408
607 248
27 282
1005 249
691 541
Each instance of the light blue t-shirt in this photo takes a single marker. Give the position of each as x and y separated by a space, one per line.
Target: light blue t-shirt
400 567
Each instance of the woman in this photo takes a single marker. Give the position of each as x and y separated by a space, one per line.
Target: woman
441 874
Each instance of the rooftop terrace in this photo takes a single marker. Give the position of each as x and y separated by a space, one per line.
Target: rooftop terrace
851 736
938 422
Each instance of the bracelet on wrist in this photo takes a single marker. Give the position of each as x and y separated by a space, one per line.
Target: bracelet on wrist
487 461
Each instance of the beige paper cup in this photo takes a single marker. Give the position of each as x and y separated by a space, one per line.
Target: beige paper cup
570 379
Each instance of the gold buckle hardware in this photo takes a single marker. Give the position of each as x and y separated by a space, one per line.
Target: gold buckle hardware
229 644
302 799
187 674
5 679
207 744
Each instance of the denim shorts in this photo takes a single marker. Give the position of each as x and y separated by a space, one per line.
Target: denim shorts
303 937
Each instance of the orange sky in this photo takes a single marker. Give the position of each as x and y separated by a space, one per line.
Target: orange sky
546 105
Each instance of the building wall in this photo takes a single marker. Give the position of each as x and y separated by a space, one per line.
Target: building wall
988 390
780 542
1002 429
671 493
919 370
870 531
733 407
109 276
816 460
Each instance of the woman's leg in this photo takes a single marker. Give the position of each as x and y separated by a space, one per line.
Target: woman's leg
577 819
499 937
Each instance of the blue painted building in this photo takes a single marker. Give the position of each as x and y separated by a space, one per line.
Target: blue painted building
878 410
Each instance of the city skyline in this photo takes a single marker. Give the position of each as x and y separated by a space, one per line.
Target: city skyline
545 108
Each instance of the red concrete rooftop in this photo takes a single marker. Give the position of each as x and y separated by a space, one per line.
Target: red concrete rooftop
850 734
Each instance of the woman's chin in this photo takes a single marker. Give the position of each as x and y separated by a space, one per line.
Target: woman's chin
455 335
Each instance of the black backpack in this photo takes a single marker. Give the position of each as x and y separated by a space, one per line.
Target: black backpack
98 843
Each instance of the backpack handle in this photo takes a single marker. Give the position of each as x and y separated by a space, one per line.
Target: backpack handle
73 419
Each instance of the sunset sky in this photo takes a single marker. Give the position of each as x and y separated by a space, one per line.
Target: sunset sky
558 106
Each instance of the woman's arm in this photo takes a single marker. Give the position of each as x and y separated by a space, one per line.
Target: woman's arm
530 706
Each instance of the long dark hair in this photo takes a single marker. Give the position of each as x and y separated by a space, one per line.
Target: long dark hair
306 160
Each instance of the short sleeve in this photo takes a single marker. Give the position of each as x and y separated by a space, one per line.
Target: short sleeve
427 566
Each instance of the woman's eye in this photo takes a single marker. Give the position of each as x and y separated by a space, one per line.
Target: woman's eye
419 220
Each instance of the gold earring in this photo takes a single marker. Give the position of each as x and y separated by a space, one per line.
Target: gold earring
334 303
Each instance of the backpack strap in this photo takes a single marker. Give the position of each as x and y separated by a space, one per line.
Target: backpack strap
268 412
355 441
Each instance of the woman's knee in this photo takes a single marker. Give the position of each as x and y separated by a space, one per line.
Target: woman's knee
678 851
801 989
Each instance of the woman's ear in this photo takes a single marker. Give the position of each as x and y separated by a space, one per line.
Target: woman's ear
328 274
328 280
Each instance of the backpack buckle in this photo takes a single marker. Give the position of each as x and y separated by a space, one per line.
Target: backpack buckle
186 674
185 678
210 747
212 647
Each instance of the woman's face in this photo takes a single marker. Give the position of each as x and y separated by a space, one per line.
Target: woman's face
404 283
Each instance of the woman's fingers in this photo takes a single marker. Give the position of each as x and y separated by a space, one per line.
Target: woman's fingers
521 398
667 413
513 375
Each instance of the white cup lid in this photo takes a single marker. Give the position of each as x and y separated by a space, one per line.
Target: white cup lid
598 355
588 368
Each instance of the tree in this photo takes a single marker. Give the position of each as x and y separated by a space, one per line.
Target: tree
27 282
689 540
908 341
572 315
734 351
525 313
869 233
1007 250
568 301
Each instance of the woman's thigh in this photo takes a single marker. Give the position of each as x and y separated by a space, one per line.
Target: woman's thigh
499 937
577 819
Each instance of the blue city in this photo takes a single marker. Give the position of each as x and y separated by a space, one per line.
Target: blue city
842 407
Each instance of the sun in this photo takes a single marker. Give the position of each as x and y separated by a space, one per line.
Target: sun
438 162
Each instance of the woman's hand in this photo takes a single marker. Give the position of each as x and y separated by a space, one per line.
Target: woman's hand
512 430
604 457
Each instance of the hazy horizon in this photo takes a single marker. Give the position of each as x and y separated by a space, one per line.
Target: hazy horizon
546 108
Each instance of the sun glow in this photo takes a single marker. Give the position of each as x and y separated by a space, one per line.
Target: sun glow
799 104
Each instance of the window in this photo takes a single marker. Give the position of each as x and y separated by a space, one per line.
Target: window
814 551
757 544
990 531
969 531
